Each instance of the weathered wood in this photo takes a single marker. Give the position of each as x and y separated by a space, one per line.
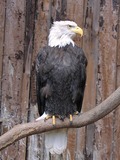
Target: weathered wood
58 10
29 36
12 73
2 23
104 129
116 140
36 142
90 46
93 115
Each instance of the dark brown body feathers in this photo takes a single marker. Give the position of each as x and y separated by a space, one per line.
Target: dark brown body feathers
60 77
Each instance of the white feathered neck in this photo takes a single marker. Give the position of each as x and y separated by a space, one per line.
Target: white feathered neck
60 34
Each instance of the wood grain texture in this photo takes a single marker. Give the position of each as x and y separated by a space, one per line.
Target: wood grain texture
116 141
36 148
2 30
104 129
12 73
90 46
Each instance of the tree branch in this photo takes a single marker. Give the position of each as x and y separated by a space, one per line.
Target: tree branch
23 130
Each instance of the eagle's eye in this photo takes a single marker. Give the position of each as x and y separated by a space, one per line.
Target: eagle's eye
70 26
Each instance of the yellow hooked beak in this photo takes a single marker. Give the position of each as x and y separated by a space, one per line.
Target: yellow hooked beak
77 30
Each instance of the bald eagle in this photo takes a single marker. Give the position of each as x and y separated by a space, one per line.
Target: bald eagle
60 79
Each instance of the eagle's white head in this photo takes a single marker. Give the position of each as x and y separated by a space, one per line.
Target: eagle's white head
62 32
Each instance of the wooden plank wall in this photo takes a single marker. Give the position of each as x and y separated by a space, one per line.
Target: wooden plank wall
24 27
104 129
2 22
117 111
12 73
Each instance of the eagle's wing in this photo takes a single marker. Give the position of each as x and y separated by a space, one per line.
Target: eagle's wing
80 81
42 73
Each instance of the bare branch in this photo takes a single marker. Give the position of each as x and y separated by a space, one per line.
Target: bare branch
23 130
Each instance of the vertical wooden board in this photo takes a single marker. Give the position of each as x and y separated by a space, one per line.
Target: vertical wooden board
40 38
106 78
12 73
80 144
116 141
41 32
71 146
90 46
118 38
35 146
2 22
58 10
36 142
28 50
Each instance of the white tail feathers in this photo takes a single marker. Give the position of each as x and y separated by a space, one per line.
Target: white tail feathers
56 141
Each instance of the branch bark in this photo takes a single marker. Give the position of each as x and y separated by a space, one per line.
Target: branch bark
23 130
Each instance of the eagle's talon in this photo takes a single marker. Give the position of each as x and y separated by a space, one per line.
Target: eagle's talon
53 120
47 117
76 113
71 118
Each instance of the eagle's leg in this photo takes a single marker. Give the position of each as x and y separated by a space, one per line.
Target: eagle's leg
53 120
50 116
71 118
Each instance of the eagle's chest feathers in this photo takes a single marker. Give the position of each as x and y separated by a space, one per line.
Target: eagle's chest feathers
64 61
62 56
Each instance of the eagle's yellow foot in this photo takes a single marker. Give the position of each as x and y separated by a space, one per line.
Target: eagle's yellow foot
76 113
71 118
53 120
47 117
